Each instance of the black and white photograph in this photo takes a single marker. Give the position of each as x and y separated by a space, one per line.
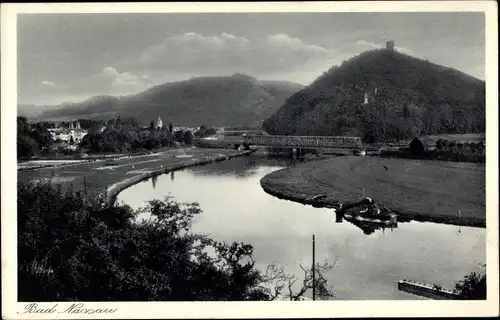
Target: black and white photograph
225 156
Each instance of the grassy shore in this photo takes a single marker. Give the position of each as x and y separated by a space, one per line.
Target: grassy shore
415 189
115 175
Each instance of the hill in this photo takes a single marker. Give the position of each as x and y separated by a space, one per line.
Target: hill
384 95
239 100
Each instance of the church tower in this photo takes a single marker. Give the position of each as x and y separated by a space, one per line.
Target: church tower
366 98
159 123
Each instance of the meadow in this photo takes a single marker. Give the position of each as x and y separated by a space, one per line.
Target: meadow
415 189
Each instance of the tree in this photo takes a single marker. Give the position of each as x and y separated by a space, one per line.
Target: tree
179 136
32 139
288 286
406 112
440 144
417 148
26 147
472 287
205 131
188 137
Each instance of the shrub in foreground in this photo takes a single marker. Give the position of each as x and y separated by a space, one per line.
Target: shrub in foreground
71 250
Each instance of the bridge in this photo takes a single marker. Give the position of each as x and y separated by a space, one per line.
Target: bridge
304 142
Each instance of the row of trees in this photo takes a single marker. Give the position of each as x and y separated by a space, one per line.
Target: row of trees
70 249
459 151
445 150
128 138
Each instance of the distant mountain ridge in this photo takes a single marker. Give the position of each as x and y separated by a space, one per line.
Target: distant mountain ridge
384 95
238 100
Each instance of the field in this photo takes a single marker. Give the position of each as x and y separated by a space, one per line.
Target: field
415 189
95 177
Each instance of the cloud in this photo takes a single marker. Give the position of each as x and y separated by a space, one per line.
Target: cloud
368 44
48 83
197 53
111 77
110 81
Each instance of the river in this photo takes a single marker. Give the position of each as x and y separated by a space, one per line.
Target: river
368 266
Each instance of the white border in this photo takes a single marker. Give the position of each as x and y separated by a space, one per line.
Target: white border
10 306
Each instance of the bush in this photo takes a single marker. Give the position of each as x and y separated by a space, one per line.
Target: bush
472 287
70 249
417 148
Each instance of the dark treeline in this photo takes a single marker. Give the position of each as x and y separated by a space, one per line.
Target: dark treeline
406 97
125 135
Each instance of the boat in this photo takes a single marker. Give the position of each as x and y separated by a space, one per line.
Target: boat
387 221
367 212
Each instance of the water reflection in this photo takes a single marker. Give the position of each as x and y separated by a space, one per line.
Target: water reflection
153 181
370 262
241 167
369 229
368 226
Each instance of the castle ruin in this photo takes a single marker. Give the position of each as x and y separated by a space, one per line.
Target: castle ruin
389 45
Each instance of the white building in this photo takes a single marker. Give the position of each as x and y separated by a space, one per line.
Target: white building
366 98
64 134
159 123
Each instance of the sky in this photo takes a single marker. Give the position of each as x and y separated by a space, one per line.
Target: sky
71 57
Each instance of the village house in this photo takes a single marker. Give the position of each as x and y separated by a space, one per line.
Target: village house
65 134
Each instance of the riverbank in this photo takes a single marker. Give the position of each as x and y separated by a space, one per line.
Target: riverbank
112 191
58 161
431 191
93 178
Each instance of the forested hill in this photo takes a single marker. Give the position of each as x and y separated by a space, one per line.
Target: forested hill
406 97
238 100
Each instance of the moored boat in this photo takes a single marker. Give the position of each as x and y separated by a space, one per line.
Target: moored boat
367 212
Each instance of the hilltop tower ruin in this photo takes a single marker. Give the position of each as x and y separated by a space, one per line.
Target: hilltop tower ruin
389 45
